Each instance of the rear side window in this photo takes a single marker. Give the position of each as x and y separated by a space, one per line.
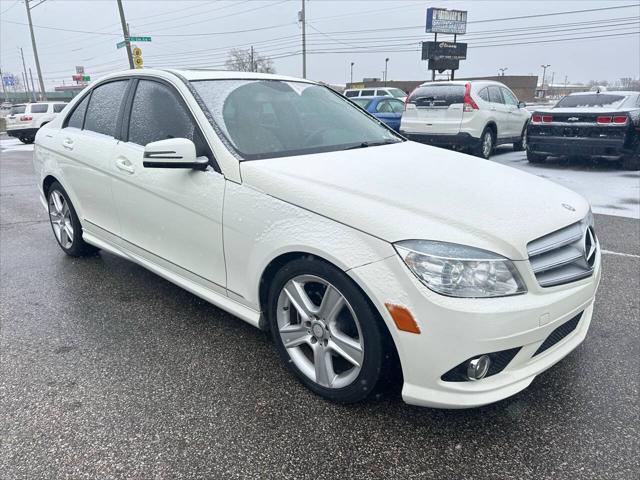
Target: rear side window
39 108
367 93
351 94
397 106
77 117
104 107
495 95
382 93
158 114
484 94
18 109
590 100
437 95
58 107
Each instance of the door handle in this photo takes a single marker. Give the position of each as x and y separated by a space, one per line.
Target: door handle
125 165
67 143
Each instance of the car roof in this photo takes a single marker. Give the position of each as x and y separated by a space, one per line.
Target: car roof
605 92
463 82
204 74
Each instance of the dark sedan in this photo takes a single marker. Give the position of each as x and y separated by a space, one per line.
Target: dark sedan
590 124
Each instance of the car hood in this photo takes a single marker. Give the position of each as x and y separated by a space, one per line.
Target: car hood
413 191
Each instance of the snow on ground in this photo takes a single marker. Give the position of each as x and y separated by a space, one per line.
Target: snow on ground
609 189
8 144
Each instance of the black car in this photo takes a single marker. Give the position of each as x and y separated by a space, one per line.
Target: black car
589 124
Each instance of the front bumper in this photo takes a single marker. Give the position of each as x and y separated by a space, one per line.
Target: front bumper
18 132
456 329
462 139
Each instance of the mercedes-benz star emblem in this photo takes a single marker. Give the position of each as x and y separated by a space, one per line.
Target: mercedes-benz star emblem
568 207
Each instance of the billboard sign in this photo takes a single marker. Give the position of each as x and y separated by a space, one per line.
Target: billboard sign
441 20
444 50
443 64
79 70
9 80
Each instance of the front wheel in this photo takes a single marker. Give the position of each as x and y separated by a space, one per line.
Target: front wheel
28 139
66 224
326 331
521 145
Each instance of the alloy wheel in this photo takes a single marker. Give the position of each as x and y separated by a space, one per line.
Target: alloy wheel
487 144
320 331
60 217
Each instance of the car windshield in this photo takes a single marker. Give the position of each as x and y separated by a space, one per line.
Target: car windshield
272 118
396 92
18 109
590 100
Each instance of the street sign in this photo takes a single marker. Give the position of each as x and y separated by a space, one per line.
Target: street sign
441 20
139 39
76 78
121 44
9 80
86 78
443 64
79 70
444 50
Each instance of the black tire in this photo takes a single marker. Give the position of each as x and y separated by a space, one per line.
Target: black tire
631 161
535 157
480 150
522 144
77 247
28 140
378 361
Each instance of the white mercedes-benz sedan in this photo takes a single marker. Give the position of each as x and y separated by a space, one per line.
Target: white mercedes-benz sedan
280 201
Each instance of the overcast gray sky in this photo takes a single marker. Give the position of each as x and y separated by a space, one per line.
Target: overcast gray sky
595 45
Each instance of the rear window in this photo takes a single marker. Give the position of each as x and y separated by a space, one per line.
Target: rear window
58 107
590 100
39 108
18 109
437 95
351 94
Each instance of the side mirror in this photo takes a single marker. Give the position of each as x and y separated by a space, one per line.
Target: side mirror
521 104
173 153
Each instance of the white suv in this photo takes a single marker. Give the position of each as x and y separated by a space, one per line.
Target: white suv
284 203
24 121
475 116
376 92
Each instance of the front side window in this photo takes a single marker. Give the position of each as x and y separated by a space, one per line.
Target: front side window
396 92
104 107
76 119
382 93
306 118
39 108
58 107
509 98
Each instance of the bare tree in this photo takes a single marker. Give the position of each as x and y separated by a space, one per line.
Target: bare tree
244 60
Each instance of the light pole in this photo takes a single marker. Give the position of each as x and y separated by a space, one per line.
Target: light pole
386 63
352 64
43 93
544 71
502 70
125 33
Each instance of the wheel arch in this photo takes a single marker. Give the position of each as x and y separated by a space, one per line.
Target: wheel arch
491 124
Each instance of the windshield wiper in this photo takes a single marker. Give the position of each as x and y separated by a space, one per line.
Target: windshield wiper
372 144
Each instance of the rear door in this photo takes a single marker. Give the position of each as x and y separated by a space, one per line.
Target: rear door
500 112
434 109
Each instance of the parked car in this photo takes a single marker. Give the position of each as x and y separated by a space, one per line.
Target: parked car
5 109
24 120
588 124
376 92
357 249
473 116
385 109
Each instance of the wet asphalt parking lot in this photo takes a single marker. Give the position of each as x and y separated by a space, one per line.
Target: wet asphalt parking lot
109 371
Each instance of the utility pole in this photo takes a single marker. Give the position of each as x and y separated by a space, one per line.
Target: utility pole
43 93
125 32
386 62
302 18
352 64
252 63
24 76
26 92
33 87
544 71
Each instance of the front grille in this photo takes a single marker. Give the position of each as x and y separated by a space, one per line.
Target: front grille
559 333
563 256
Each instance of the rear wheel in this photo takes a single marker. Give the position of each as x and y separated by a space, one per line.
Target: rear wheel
486 144
27 139
66 224
535 157
326 331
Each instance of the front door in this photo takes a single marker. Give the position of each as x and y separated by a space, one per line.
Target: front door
500 112
169 216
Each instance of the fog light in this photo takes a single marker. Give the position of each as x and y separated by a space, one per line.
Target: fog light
477 368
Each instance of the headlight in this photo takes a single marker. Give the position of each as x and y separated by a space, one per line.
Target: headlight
460 271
